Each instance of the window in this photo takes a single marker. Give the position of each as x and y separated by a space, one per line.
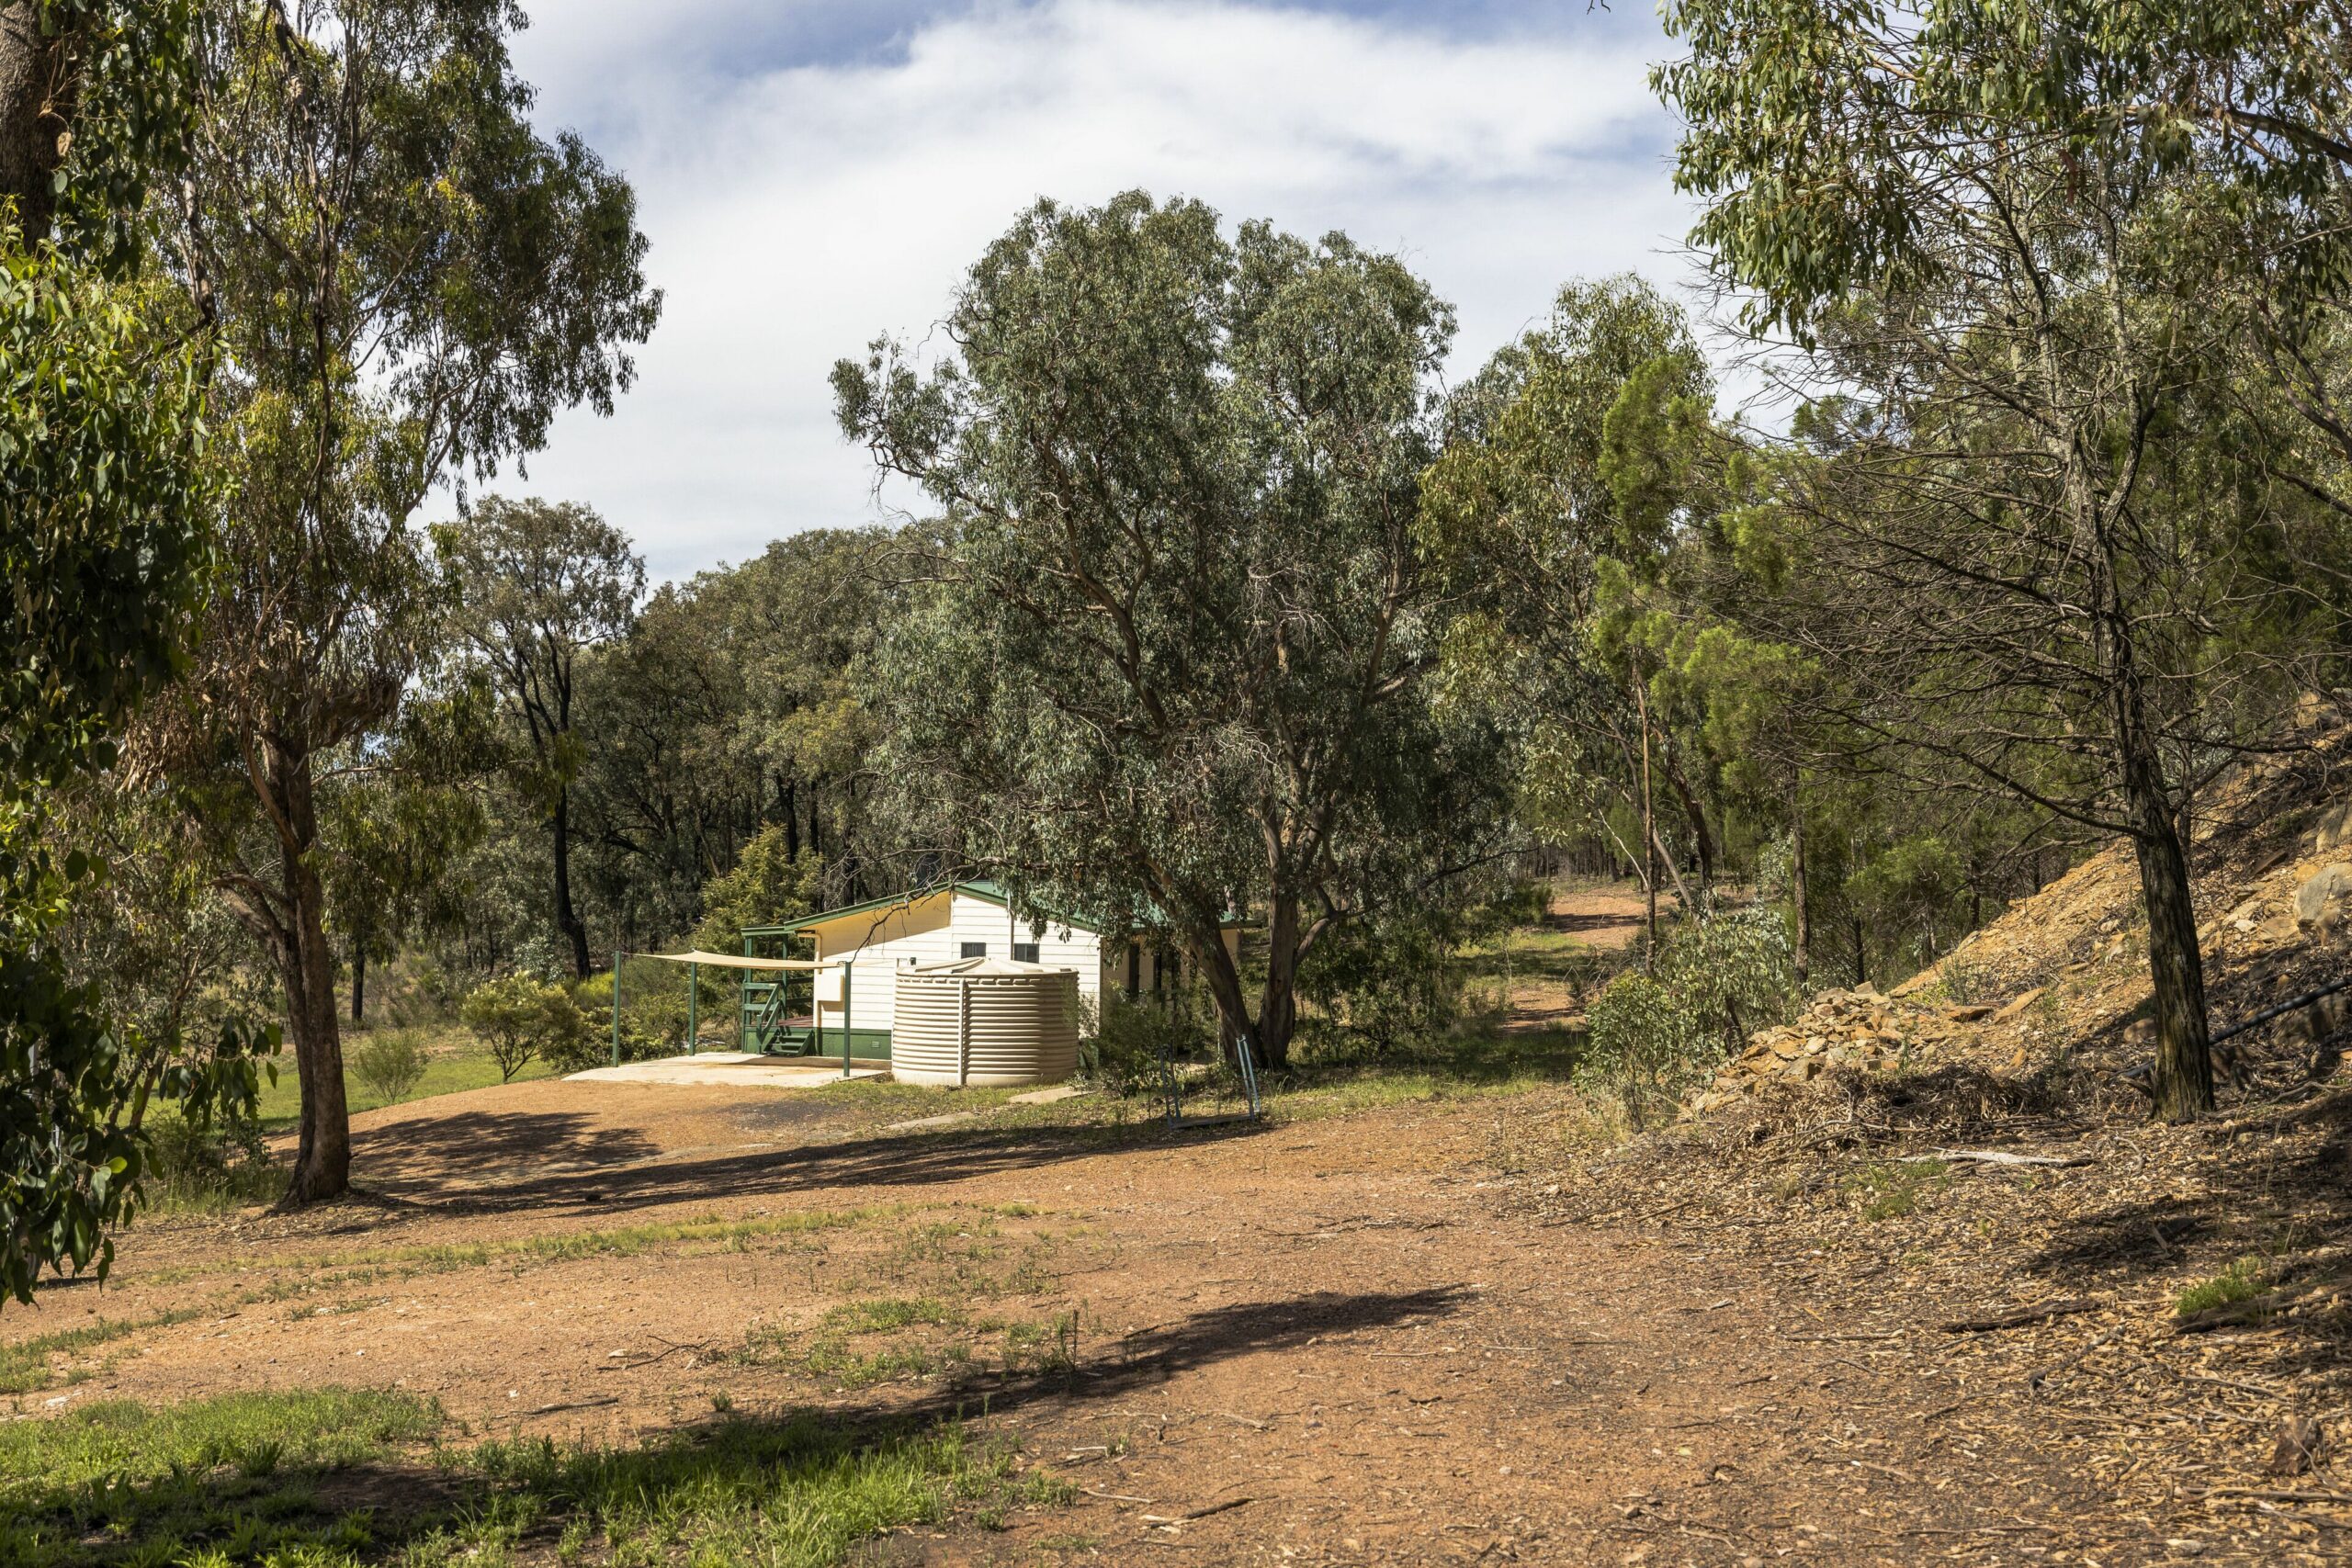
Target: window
1024 953
976 950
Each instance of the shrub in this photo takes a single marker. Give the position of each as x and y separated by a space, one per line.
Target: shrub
653 1015
519 1018
1652 1039
390 1062
1377 986
220 1165
1122 1051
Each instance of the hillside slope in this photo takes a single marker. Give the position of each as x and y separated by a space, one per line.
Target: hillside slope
2058 985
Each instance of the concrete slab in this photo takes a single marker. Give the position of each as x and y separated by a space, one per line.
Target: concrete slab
1047 1096
733 1069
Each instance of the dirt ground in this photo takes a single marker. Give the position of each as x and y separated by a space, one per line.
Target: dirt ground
1324 1342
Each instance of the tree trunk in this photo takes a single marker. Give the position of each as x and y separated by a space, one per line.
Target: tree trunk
1702 838
1278 1001
2184 1068
358 983
38 88
2183 1084
567 918
1649 830
323 1154
1803 959
1224 981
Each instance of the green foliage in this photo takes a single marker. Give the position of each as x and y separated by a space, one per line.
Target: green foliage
768 885
538 584
1123 1050
1396 981
391 1062
520 1018
208 1165
1162 456
2243 1280
1654 1037
122 85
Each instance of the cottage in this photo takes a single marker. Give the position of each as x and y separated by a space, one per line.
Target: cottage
884 936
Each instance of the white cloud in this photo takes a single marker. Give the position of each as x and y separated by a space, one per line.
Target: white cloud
798 210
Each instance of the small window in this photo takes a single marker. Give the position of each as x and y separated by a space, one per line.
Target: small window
976 950
1024 953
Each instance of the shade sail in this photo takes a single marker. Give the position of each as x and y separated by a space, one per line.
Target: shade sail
737 961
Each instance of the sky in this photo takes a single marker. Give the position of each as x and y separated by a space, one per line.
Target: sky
813 176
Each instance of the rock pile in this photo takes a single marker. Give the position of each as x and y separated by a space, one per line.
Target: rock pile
1860 1029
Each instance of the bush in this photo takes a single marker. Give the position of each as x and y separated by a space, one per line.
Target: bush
389 1062
1122 1049
519 1018
1376 986
222 1166
1652 1039
654 1014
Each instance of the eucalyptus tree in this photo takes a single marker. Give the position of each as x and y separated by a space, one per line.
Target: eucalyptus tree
1523 513
1168 663
412 282
538 583
2017 310
103 544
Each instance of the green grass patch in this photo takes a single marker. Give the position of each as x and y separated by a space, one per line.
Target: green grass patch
213 1482
628 1241
457 1062
24 1364
1891 1190
2242 1281
889 1313
833 1360
341 1478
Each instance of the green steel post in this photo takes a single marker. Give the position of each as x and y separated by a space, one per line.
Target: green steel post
694 994
616 1006
848 1033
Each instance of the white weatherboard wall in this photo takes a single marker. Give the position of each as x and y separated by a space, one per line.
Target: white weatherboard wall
935 930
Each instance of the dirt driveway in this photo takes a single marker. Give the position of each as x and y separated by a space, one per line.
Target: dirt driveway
1318 1342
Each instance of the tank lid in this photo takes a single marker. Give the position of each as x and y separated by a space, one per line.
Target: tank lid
987 967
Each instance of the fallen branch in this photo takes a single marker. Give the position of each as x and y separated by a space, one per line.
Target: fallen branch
2002 1157
573 1405
1215 1508
648 1361
2043 1314
2044 1376
2269 1494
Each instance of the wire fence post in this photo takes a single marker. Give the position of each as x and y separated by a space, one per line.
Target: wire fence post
1167 1084
1248 1061
616 1006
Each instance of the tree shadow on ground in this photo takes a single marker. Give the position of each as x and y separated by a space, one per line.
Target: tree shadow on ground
879 1164
423 1152
2286 1192
1115 1367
